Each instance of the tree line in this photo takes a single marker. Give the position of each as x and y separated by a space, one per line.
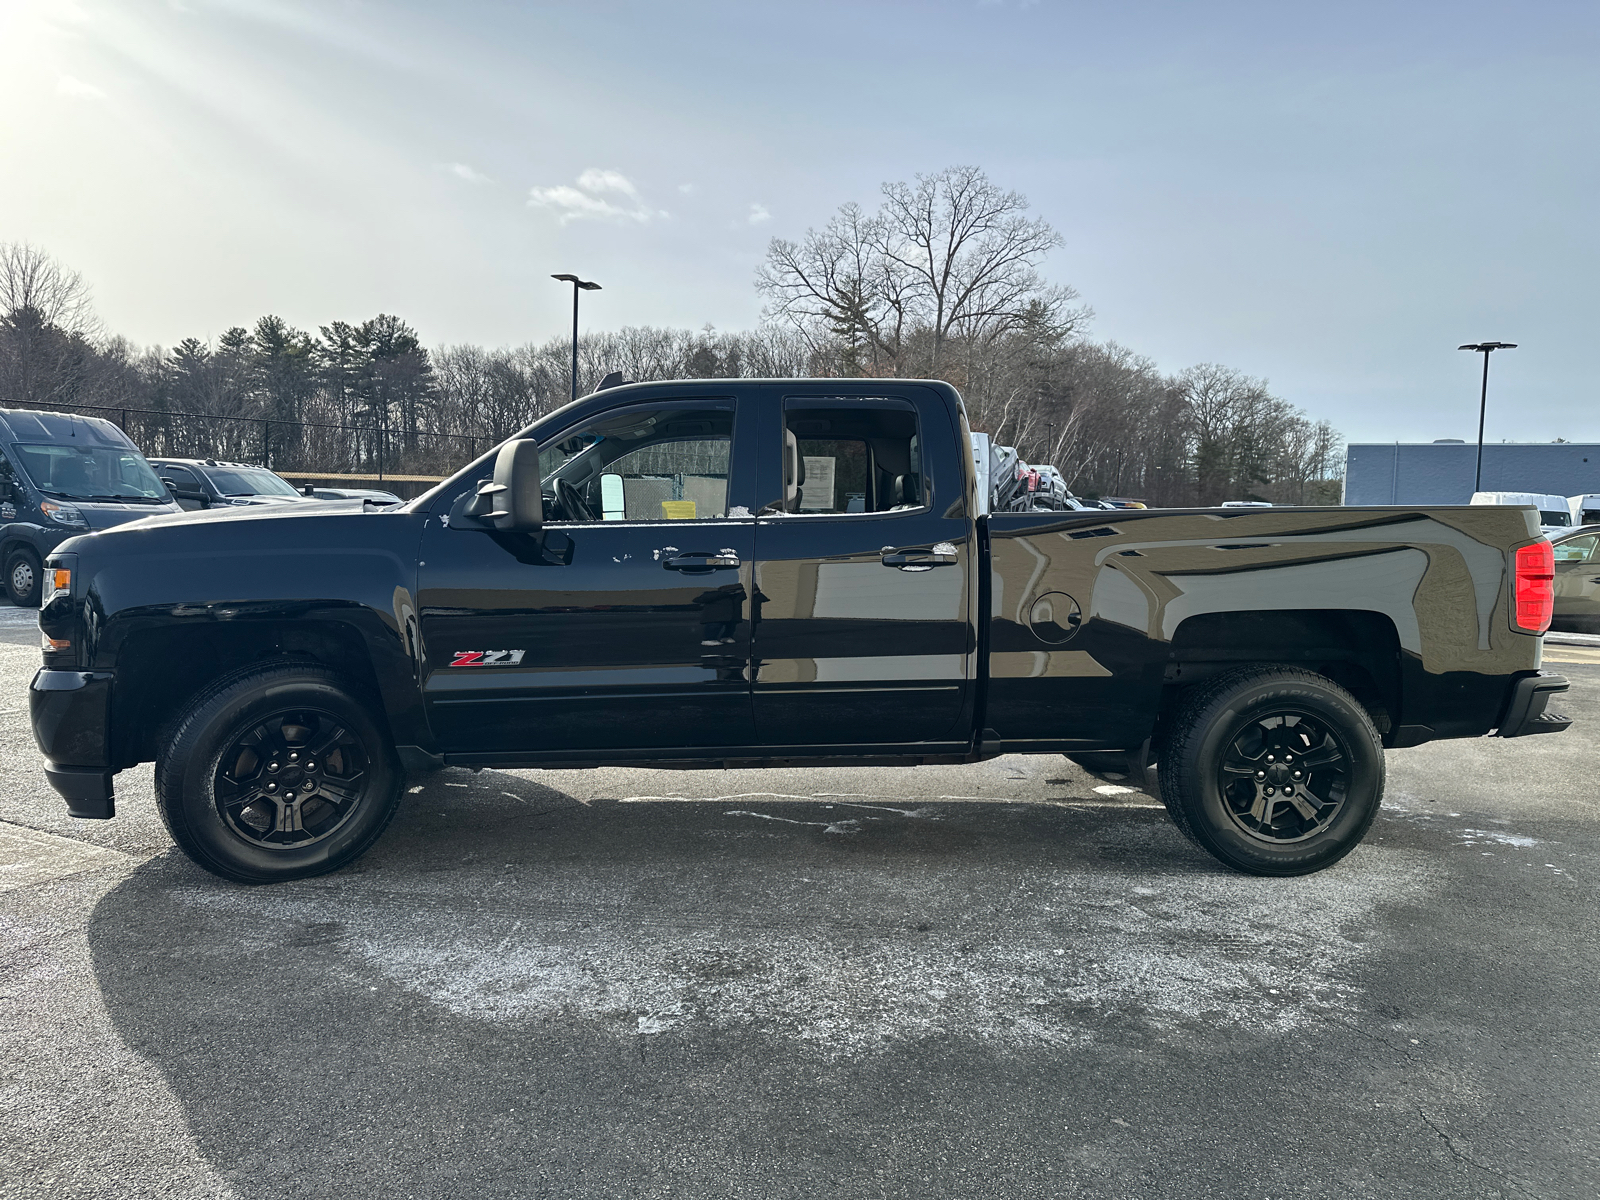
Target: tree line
941 280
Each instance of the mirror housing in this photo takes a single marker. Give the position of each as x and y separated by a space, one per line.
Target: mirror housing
516 506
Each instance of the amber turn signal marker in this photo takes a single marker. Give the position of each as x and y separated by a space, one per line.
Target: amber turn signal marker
63 579
51 643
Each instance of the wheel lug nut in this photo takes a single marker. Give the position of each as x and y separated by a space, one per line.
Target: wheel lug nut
1271 759
1288 789
1270 791
288 795
272 787
1261 774
310 766
272 766
1297 774
294 756
1288 758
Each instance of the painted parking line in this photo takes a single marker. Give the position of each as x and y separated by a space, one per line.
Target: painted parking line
29 856
1571 654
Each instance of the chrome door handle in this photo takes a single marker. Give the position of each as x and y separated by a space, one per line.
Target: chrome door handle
942 555
701 562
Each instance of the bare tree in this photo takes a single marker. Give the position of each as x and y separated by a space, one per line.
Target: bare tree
949 257
30 280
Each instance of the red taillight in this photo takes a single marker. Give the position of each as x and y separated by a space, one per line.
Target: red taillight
1536 591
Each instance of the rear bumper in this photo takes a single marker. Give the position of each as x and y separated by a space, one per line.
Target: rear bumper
1526 710
71 717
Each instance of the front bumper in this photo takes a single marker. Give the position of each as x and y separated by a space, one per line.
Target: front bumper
1526 710
71 715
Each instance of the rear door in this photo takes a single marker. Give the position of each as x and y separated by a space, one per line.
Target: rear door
626 624
864 565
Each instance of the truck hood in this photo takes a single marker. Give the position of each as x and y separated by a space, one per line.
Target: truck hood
103 514
245 529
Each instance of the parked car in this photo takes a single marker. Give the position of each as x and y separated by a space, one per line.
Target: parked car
1577 582
61 475
672 574
1555 512
1585 508
203 482
370 495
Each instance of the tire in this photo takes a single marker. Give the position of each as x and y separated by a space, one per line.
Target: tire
267 730
24 578
1244 735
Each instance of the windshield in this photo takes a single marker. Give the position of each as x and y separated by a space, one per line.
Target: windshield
249 481
1556 517
91 473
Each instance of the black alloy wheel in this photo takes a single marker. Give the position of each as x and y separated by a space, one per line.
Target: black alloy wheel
293 779
278 772
1273 770
1284 776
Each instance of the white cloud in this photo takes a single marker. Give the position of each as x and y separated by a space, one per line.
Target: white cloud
686 188
758 214
597 180
68 86
464 172
588 200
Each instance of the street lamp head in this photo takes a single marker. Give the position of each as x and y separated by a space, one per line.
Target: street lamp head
583 283
1486 347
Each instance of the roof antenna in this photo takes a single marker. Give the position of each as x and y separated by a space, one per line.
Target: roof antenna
612 379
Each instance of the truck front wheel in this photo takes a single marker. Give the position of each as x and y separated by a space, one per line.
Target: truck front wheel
1274 770
277 774
24 578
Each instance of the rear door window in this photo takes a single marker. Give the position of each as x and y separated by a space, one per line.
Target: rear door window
856 457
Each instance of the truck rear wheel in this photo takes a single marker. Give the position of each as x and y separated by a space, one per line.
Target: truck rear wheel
277 774
1274 770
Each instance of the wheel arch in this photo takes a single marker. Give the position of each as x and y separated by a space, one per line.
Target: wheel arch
1357 649
161 670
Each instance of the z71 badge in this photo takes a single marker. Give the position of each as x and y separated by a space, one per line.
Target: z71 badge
486 658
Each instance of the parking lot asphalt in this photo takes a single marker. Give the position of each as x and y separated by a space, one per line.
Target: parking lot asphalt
1011 979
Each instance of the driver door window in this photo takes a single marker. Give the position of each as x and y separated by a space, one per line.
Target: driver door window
641 465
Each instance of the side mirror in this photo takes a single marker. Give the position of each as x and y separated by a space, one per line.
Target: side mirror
514 492
613 501
309 490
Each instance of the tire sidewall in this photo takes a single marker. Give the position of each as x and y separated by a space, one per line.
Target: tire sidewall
1208 814
201 745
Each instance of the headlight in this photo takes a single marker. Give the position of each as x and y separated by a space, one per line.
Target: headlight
64 514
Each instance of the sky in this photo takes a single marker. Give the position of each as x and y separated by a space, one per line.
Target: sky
1329 196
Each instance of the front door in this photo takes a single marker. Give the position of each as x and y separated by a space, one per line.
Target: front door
863 571
624 624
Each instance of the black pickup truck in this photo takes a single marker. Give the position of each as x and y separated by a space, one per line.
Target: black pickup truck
752 572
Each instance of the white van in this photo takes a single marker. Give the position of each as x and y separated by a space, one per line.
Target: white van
1585 508
1555 512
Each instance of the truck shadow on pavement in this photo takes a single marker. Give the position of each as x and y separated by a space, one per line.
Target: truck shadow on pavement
517 993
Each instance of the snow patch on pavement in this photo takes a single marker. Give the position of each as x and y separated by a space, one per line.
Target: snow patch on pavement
869 959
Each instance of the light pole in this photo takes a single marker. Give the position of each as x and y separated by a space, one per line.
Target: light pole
1485 349
577 285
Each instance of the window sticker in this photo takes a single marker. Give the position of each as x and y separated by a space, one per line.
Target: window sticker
816 493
